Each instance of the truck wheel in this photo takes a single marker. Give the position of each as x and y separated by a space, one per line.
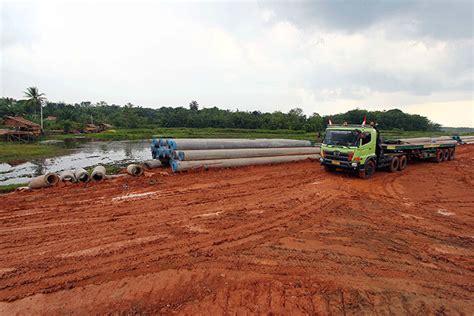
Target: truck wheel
329 168
446 154
394 164
451 154
439 156
369 170
402 164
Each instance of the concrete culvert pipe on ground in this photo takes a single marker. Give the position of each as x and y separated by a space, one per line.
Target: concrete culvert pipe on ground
150 164
99 173
67 175
187 155
178 166
81 175
43 181
135 170
187 144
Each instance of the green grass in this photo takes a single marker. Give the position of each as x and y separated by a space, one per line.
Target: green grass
11 187
19 152
147 133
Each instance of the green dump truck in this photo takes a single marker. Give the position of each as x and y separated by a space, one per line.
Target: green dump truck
359 148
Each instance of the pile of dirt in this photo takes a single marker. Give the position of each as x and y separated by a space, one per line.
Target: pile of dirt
283 239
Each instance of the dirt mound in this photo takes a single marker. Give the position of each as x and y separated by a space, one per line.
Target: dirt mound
284 239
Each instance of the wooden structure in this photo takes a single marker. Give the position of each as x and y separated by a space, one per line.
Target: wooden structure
92 128
20 129
105 126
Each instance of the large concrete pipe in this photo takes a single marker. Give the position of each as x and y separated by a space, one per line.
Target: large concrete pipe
186 144
417 140
242 153
67 175
443 138
446 141
150 164
178 166
81 175
98 173
164 152
43 181
135 170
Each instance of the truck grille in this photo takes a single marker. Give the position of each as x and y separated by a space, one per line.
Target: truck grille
336 155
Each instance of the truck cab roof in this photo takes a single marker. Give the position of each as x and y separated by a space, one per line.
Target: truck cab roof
351 127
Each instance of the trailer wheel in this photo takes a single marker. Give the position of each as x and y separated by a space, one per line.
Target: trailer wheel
439 156
369 170
394 164
402 164
446 154
451 154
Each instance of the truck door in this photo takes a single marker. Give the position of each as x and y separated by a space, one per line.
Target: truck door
366 145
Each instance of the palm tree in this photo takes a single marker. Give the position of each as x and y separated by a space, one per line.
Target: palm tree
35 98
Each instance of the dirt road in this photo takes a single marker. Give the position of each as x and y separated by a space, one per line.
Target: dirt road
283 239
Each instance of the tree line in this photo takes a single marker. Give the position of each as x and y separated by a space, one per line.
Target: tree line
76 116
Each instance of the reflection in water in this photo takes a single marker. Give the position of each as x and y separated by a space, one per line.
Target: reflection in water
88 154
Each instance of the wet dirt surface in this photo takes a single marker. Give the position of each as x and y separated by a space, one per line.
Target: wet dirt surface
283 239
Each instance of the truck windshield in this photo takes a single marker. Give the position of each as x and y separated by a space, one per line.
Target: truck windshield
341 138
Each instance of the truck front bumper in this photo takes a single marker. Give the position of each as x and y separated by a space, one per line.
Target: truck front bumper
349 165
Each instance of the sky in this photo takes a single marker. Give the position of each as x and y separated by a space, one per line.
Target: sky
323 56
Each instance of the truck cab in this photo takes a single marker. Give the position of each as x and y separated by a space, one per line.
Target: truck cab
351 147
360 148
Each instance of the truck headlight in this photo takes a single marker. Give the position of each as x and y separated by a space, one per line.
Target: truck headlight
354 164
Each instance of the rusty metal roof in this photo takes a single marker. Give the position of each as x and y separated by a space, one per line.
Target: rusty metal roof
22 120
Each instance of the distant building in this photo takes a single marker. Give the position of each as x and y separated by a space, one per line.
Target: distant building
105 126
20 128
91 128
51 118
21 124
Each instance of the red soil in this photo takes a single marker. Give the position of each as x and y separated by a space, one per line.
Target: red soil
283 239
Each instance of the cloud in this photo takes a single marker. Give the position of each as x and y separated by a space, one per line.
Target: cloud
433 18
325 57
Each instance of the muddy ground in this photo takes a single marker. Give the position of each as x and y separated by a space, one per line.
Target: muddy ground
283 239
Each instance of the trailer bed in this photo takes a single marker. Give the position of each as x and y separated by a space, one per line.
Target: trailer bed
402 147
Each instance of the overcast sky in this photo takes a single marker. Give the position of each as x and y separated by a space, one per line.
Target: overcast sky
325 57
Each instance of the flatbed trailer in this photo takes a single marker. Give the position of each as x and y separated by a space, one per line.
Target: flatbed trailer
360 149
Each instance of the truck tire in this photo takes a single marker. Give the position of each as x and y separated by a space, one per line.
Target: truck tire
451 153
394 164
402 164
446 154
369 170
439 156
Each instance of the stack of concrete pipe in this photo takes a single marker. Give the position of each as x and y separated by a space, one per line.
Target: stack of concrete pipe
467 139
81 175
429 140
189 154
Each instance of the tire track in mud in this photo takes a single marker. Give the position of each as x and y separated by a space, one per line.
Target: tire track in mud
210 241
